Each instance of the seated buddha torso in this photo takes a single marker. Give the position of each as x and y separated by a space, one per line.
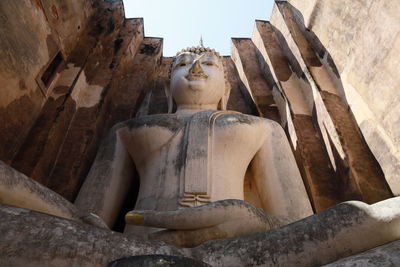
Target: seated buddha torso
190 160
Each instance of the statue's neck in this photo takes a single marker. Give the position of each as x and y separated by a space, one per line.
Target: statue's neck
191 109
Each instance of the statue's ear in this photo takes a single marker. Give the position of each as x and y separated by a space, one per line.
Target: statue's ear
224 100
168 94
222 103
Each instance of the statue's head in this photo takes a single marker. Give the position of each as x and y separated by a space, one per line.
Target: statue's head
197 79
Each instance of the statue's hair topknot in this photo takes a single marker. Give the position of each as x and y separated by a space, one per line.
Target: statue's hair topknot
197 50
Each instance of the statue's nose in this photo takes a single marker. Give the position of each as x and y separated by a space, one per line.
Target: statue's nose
196 68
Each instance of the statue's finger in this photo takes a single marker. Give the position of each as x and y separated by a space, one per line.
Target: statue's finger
198 217
189 238
191 218
192 238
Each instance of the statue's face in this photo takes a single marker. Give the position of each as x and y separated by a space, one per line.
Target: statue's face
197 79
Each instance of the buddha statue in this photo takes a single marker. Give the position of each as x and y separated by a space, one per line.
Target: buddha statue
205 173
193 163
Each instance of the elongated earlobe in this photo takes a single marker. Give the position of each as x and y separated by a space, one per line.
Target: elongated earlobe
224 100
168 94
222 103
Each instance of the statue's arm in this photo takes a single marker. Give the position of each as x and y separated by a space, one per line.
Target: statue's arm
109 178
277 177
18 190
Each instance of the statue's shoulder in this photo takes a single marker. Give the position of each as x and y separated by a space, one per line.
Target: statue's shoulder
170 121
237 117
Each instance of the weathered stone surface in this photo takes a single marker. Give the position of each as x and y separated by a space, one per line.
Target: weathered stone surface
51 241
239 97
245 58
383 256
343 230
47 133
133 80
27 47
319 176
51 153
68 19
18 190
158 102
23 52
157 260
334 233
364 171
122 102
360 45
87 125
357 167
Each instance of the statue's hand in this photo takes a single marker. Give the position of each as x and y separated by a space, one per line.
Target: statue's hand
92 219
190 227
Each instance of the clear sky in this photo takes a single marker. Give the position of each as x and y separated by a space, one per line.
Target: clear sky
182 22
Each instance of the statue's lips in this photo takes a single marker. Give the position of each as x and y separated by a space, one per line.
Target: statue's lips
196 77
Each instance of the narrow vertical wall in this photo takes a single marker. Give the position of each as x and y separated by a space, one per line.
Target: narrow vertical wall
73 100
311 154
101 82
239 96
361 175
245 58
359 46
32 35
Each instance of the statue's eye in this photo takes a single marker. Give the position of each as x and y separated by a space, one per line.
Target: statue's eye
182 64
208 63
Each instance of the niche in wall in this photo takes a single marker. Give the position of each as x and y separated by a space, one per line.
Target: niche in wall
47 76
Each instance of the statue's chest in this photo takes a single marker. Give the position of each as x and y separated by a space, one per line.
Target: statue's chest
191 146
189 154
